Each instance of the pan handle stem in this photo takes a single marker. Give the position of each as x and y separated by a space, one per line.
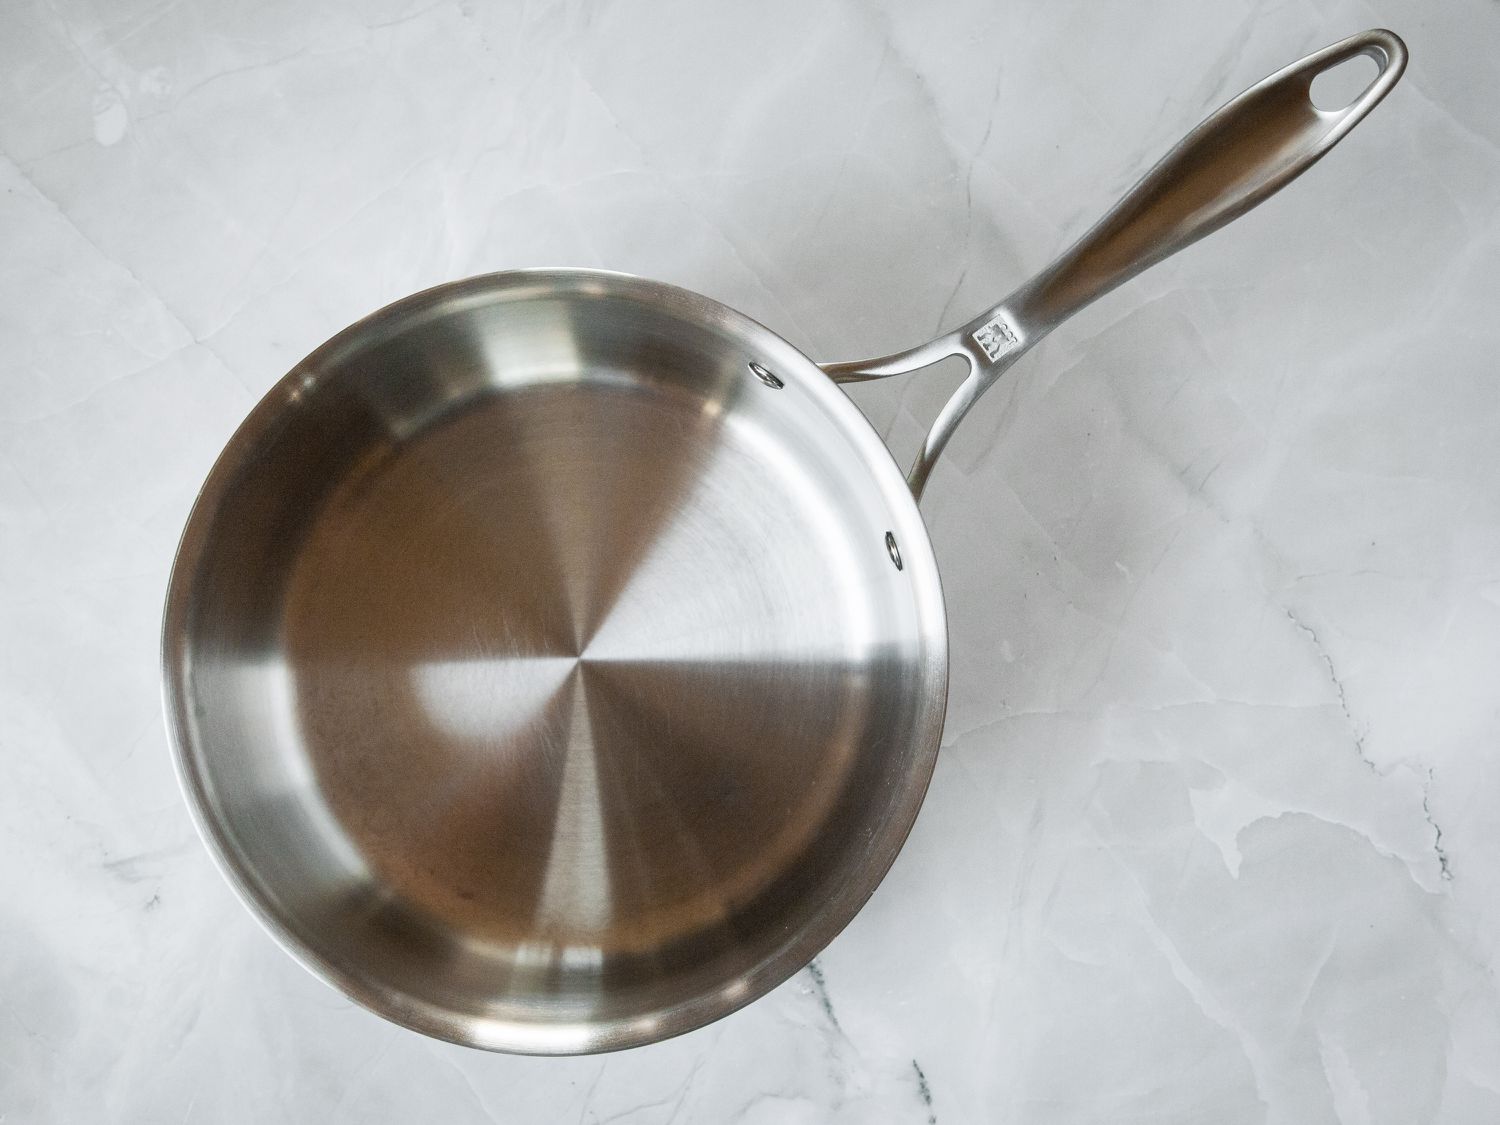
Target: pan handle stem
1241 155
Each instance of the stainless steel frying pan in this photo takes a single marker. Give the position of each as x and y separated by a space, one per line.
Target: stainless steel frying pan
556 660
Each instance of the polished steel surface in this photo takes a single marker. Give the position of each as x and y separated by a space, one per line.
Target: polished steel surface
541 669
556 660
1240 156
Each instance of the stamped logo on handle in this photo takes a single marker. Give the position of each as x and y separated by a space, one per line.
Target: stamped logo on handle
996 338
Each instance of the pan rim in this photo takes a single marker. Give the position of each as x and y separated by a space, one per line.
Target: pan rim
506 1033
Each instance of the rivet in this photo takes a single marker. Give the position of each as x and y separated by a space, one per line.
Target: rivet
766 377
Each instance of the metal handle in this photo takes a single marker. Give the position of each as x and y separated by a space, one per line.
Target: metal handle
1242 154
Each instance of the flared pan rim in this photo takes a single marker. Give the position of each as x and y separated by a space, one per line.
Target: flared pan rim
498 1033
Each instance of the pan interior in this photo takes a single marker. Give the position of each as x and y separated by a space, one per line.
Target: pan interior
541 670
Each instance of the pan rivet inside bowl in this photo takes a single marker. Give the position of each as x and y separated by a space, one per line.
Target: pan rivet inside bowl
892 549
766 377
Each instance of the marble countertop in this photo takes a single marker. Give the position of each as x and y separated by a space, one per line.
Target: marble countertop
1215 832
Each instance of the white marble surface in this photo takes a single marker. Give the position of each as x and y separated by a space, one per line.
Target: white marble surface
1215 834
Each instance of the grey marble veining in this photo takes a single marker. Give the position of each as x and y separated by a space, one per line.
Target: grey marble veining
1215 834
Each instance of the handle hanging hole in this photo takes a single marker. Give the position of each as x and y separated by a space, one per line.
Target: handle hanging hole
893 550
769 378
1340 86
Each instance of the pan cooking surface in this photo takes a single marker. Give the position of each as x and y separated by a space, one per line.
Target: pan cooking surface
547 673
571 668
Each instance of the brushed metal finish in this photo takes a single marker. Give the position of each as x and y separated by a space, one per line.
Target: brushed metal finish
1239 156
540 668
556 660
